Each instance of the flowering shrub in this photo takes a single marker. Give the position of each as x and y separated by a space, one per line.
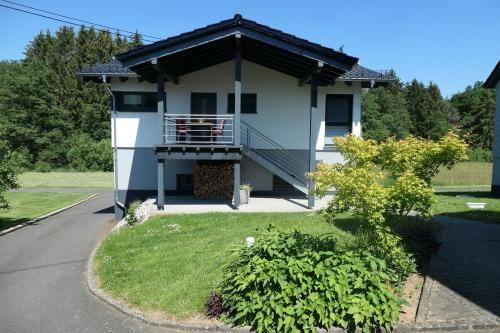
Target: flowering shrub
294 282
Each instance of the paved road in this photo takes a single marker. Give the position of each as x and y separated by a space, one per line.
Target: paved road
464 276
42 275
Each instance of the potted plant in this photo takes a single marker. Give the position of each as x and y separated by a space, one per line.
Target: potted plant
245 190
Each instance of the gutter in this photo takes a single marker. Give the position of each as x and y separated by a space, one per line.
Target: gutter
115 150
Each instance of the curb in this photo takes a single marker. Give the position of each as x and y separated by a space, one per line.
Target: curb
25 224
471 325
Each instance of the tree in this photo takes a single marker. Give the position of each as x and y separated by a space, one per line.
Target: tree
385 114
11 165
476 109
426 109
374 196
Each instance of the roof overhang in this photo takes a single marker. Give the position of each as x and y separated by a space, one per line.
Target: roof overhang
493 78
215 44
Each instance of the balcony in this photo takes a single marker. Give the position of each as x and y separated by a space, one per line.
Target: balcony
199 136
199 129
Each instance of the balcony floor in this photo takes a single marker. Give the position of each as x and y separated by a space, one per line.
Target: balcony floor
210 151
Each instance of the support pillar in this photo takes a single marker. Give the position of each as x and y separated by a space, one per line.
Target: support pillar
237 177
237 116
312 142
161 101
160 202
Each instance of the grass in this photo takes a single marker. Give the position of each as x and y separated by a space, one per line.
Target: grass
455 204
63 179
171 263
25 206
465 174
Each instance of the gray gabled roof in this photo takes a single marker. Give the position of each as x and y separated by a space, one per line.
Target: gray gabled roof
112 68
359 72
494 77
115 68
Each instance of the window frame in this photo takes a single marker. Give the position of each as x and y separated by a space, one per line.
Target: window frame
231 102
122 107
350 98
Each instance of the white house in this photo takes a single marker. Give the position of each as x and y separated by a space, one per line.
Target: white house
267 102
493 81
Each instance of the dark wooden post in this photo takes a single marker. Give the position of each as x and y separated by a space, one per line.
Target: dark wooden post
237 115
312 141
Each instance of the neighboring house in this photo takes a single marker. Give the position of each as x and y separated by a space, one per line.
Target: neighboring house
238 91
493 81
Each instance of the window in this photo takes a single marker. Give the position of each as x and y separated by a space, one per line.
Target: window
203 103
136 101
248 103
185 183
338 111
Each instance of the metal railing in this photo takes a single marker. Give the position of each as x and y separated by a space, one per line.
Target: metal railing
198 129
255 141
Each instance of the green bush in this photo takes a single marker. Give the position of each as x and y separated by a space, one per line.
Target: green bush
295 282
85 154
479 155
131 218
42 167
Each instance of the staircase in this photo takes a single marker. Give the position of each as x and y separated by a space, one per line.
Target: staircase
274 157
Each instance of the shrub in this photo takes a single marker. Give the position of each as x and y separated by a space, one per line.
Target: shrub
131 217
214 306
86 154
479 155
42 167
11 165
401 188
295 282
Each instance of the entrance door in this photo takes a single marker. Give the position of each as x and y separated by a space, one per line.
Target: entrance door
203 103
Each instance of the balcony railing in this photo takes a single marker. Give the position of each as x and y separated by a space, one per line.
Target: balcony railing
198 129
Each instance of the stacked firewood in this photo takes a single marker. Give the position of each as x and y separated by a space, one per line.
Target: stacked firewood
213 180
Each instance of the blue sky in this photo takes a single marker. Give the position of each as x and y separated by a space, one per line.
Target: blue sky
452 43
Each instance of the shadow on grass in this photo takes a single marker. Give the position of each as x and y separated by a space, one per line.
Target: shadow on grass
7 222
454 204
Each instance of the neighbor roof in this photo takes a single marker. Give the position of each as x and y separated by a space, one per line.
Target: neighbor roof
494 77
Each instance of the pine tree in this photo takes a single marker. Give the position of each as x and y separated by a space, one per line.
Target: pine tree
476 108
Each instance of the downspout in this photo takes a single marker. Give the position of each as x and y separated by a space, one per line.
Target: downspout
115 152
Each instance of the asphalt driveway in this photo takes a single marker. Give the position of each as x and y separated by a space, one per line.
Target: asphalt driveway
42 275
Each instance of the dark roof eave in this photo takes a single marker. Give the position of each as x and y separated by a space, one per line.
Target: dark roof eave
493 78
230 27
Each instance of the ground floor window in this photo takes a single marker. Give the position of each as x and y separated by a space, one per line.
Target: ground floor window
185 184
338 116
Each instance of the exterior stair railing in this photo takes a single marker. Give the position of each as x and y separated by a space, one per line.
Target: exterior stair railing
274 157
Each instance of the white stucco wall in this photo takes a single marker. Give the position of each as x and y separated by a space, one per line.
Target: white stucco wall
282 115
282 106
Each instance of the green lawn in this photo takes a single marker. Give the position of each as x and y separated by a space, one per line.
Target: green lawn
25 206
465 174
171 263
454 204
61 179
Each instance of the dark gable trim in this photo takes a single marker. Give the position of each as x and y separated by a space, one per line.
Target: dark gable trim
245 27
494 77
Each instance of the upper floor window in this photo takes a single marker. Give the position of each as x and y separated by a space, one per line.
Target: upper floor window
136 101
248 103
338 111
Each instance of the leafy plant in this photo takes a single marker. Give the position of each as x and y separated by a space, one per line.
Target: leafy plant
295 282
402 187
246 187
214 306
11 165
131 217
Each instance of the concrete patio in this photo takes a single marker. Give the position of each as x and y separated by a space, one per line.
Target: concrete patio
262 204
